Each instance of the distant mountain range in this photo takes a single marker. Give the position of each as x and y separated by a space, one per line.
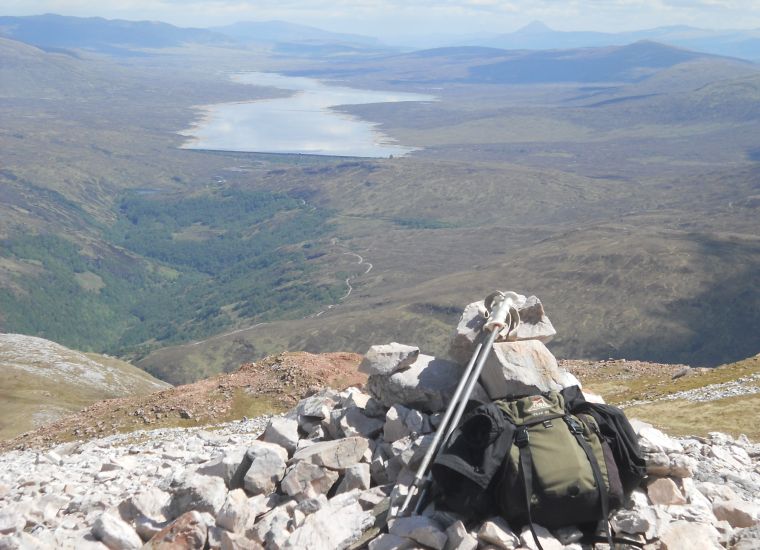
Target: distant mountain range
119 37
104 35
537 36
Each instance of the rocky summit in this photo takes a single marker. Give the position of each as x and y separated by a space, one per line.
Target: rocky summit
323 476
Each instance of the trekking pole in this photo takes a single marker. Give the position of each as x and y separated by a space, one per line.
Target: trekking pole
497 320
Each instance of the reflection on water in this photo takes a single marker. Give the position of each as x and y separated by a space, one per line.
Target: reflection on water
300 123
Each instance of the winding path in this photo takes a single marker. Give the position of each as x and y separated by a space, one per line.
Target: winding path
350 288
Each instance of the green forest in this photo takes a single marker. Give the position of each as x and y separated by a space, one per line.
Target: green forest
172 269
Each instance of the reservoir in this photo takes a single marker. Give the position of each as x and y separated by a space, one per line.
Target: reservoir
304 122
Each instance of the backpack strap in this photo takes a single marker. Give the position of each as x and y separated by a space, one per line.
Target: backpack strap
577 430
526 467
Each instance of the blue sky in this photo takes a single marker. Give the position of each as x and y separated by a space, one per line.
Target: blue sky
394 18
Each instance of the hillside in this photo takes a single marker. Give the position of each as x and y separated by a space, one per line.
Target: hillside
744 43
43 381
628 201
268 386
111 36
676 398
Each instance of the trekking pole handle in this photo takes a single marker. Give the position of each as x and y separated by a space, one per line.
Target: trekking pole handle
500 306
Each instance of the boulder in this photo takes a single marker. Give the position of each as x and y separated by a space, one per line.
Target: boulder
664 491
235 512
115 533
386 541
148 528
149 503
336 455
353 422
458 538
282 431
355 477
534 325
388 358
648 522
685 535
268 462
197 492
737 512
316 406
395 426
545 538
515 368
187 532
306 480
223 465
652 440
354 397
273 529
421 529
496 532
427 385
333 527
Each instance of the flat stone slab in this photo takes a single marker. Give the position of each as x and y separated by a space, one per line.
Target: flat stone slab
336 455
388 358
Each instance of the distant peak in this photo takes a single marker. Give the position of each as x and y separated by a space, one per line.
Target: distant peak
535 27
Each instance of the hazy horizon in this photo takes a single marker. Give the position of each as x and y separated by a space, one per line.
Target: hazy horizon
397 20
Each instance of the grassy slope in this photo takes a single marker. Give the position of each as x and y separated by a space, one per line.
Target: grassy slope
644 398
43 381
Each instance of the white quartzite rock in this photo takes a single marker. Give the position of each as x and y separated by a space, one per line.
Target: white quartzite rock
514 368
738 513
306 480
459 538
336 455
395 426
187 532
332 527
353 422
496 531
235 512
419 528
652 440
198 492
534 325
282 431
115 533
547 540
388 358
427 385
664 491
355 477
684 535
268 462
386 541
223 465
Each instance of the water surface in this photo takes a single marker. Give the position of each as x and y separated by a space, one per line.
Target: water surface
301 123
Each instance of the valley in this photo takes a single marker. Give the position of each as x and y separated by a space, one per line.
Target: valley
626 200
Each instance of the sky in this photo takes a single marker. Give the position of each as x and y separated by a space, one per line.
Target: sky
398 18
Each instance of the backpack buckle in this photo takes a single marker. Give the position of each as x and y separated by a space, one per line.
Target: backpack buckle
574 425
522 438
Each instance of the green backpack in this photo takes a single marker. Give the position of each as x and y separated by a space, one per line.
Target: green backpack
560 470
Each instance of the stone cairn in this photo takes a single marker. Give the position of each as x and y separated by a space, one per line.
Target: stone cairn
321 476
